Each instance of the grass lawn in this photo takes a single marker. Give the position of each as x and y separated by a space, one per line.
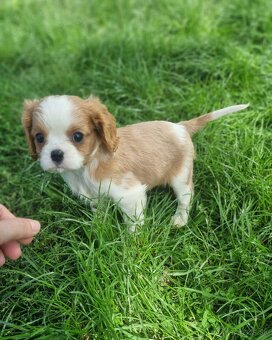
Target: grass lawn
84 276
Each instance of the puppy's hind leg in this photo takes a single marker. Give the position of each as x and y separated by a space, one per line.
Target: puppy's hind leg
183 188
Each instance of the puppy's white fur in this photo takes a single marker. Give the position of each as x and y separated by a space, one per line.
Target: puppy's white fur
123 163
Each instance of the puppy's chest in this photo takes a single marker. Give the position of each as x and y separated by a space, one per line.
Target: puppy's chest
81 183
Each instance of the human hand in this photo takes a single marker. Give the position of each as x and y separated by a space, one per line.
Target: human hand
14 231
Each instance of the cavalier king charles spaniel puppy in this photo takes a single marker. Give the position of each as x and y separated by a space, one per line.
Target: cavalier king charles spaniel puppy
78 138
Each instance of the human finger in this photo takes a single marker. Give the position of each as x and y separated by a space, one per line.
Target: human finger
12 250
17 229
26 241
2 258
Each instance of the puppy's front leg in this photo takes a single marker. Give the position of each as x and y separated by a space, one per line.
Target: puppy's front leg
134 214
132 202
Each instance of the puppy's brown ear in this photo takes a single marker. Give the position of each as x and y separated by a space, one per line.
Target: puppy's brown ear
29 108
104 123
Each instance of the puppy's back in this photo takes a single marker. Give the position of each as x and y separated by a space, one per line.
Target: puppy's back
153 151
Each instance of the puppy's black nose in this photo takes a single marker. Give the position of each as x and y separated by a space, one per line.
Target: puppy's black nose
57 156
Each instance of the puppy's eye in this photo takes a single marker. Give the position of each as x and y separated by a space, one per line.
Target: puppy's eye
39 138
77 137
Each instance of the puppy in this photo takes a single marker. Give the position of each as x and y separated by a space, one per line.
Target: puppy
78 138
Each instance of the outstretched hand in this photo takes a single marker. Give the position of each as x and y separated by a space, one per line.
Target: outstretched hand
14 231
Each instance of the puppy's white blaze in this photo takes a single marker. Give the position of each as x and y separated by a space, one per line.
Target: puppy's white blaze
230 109
57 113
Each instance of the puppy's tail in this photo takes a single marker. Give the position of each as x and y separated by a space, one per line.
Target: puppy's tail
195 124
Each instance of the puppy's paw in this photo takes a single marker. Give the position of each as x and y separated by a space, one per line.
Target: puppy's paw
134 226
93 208
179 220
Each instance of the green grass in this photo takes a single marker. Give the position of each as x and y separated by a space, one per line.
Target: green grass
85 277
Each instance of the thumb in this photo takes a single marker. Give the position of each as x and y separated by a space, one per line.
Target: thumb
17 228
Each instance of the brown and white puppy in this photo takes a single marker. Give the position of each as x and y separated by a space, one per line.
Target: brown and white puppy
78 138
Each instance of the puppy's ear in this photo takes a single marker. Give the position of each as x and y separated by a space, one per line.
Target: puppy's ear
104 123
29 108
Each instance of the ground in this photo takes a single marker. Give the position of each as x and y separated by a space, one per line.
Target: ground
84 276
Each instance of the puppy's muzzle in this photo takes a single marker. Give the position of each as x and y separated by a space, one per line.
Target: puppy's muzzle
57 156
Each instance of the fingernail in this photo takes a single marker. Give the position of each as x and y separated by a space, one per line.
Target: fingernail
35 226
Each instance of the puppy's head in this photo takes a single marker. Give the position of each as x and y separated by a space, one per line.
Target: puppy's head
65 132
